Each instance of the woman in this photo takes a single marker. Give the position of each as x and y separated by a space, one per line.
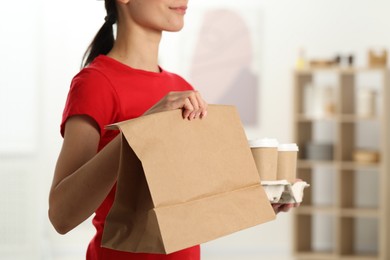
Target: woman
120 80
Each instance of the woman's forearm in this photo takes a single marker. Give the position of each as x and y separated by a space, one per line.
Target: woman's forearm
76 197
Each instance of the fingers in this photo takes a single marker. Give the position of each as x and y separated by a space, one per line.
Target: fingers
193 99
278 207
286 207
202 106
194 106
188 109
191 103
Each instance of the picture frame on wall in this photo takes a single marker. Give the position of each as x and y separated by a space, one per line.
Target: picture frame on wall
219 51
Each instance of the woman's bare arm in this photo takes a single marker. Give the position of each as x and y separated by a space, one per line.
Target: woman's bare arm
83 178
81 184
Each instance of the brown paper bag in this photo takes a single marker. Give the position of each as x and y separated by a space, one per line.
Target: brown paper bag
182 183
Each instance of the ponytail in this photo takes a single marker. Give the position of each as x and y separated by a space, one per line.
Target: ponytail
104 39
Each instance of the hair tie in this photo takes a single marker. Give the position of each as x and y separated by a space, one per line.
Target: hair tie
110 19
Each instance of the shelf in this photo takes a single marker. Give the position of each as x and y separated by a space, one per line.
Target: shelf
343 165
314 255
305 164
359 257
312 118
360 212
350 165
342 118
350 118
308 210
340 70
345 213
319 256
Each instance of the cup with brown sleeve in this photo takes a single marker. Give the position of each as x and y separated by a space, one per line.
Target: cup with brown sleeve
287 162
265 154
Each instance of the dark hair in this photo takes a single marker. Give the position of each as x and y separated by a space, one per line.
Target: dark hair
104 39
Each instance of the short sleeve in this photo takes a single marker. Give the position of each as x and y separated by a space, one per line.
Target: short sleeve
91 94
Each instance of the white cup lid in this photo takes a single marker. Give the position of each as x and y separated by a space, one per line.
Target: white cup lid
264 142
293 147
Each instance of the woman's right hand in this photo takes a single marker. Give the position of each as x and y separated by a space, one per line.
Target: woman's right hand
190 102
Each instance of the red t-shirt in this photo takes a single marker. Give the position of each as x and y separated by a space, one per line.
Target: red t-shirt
109 92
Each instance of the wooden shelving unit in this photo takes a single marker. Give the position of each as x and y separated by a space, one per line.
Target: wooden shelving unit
333 221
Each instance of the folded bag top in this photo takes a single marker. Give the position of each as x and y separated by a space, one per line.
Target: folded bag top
182 183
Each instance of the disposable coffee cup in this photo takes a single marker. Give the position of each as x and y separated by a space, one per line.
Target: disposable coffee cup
265 154
287 162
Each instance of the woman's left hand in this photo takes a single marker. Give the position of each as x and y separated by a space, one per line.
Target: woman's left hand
278 207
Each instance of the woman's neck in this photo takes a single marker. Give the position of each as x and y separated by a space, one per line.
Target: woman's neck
137 49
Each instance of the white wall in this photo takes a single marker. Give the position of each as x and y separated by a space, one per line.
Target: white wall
44 50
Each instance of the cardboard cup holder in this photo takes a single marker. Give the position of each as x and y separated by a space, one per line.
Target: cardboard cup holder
276 164
284 192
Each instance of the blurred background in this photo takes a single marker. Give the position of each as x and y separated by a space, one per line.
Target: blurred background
42 43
